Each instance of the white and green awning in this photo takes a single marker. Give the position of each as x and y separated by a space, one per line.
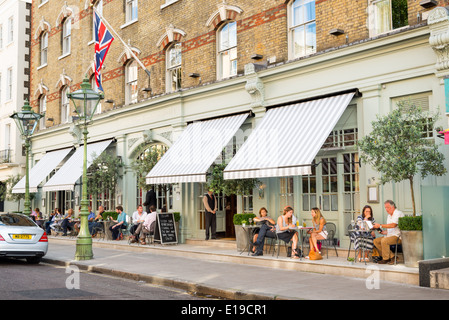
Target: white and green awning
287 139
41 170
192 154
66 177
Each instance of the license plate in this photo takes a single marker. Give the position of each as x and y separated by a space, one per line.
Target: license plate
21 236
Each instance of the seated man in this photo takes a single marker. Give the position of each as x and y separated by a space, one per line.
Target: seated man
145 227
95 223
138 218
391 234
68 223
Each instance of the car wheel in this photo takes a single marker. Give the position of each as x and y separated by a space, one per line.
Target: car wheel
33 260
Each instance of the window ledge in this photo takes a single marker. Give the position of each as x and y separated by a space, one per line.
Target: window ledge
41 66
165 5
128 23
64 55
42 4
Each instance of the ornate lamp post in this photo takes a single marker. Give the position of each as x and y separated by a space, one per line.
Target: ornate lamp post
85 101
26 121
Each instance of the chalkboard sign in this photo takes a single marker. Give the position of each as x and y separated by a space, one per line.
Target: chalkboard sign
165 231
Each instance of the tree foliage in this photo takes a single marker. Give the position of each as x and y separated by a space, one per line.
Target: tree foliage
239 187
397 149
103 174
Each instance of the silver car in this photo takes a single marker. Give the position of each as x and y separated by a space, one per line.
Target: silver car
20 237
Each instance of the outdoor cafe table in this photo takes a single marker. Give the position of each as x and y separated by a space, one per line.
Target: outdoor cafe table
249 230
301 230
364 234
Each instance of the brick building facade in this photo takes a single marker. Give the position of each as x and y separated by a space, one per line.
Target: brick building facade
212 59
262 29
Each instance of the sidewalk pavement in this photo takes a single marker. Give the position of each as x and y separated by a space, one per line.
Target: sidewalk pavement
233 280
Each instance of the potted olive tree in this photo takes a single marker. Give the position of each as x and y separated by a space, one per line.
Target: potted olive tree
397 149
412 240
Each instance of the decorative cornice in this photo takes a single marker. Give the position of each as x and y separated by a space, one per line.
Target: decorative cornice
438 22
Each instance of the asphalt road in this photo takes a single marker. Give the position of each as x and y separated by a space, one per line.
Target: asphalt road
22 281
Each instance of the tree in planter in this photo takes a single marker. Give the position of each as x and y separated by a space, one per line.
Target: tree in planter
240 187
14 197
103 174
397 149
148 157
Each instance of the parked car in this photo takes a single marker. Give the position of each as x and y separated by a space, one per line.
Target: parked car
21 237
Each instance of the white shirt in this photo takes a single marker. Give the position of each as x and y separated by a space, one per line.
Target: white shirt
137 217
149 219
394 218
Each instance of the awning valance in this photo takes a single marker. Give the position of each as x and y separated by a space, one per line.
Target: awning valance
66 177
190 157
287 139
41 170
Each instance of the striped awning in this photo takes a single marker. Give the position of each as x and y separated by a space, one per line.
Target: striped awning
66 177
190 157
287 139
41 170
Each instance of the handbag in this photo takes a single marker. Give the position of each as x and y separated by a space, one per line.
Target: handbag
313 255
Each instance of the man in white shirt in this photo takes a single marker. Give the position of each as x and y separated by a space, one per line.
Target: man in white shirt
138 218
145 227
391 234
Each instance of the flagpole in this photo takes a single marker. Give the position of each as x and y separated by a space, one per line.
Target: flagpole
120 38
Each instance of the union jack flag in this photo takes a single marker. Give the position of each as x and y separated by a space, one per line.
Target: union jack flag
103 40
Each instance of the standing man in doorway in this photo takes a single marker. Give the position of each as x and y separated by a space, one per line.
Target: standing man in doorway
150 200
210 208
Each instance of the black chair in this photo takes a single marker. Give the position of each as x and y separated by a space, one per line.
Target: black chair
99 232
396 248
331 229
150 236
277 245
350 240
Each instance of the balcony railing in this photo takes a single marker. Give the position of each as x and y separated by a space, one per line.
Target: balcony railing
5 156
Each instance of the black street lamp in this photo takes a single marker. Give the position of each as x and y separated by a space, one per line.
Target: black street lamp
26 121
85 101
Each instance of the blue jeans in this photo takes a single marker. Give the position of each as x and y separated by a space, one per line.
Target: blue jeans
265 231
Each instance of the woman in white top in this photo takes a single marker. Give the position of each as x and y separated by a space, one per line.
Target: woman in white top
319 229
284 232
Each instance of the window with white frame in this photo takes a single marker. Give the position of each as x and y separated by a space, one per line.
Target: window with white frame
10 29
9 84
1 36
131 10
42 109
309 190
174 70
329 184
44 48
65 105
131 82
66 35
227 50
302 28
387 15
286 195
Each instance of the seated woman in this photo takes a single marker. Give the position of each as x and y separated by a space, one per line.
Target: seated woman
262 219
319 229
364 241
118 224
266 230
284 233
